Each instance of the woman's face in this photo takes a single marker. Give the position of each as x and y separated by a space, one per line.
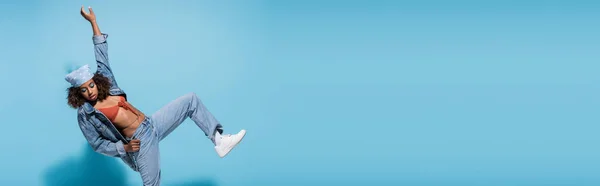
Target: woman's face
89 90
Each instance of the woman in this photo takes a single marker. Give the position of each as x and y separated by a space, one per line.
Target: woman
115 128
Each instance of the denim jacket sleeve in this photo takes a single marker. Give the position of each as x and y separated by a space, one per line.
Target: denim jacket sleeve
101 54
97 142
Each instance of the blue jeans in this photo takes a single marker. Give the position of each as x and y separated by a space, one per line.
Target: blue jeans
156 127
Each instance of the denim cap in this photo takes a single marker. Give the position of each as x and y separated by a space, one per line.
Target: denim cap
79 76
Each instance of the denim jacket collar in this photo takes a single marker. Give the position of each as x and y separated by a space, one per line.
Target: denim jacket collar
88 108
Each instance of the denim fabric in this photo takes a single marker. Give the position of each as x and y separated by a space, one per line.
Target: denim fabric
160 125
100 133
105 139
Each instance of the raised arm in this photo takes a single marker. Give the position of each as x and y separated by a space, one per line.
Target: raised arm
100 48
95 28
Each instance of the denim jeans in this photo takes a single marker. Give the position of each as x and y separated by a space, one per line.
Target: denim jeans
160 124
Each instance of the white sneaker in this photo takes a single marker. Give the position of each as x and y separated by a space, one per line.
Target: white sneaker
227 142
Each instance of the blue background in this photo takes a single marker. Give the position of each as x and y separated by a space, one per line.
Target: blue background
478 93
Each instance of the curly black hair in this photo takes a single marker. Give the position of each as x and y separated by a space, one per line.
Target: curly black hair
76 100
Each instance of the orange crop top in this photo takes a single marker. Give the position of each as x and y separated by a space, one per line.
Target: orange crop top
111 112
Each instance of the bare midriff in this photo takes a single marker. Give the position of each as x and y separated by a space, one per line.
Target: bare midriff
127 119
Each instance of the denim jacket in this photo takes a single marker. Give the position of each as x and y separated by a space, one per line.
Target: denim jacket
99 132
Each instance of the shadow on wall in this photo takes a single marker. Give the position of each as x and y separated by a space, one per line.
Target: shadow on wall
94 169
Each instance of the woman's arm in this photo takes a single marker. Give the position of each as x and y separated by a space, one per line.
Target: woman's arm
95 28
100 48
91 17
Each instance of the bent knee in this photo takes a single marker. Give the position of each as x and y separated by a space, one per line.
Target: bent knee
191 96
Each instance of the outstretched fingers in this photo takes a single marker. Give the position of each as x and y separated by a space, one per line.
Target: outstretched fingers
82 11
91 11
85 13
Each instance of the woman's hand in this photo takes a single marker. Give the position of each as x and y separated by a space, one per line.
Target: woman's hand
91 17
133 146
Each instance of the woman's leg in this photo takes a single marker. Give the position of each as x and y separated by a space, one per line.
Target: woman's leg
170 116
190 106
148 157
